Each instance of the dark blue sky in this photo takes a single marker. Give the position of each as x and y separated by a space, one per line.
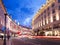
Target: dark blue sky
23 10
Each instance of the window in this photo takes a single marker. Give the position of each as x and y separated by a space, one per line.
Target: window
53 4
54 18
53 11
58 1
59 7
59 16
45 11
44 16
48 8
42 20
48 13
47 0
45 21
48 19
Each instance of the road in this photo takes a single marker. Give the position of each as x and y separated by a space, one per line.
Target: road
31 41
1 42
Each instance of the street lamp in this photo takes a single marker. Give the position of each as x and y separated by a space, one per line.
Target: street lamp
18 23
4 43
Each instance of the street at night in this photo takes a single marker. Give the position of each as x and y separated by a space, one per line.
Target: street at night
29 22
33 41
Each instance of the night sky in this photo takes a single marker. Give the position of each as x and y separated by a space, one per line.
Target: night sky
23 11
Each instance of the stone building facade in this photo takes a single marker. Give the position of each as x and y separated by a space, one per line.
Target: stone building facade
47 19
11 26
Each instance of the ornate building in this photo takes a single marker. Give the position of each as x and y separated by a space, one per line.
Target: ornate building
25 30
2 17
11 26
47 19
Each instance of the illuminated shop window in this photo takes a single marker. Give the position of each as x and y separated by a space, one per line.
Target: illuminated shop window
51 18
57 16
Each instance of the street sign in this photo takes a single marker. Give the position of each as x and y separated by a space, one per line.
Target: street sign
3 28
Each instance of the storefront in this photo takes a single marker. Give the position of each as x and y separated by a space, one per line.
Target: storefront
54 32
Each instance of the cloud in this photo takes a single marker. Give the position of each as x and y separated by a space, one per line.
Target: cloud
27 21
23 10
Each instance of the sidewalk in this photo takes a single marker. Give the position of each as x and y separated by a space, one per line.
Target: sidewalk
7 42
1 42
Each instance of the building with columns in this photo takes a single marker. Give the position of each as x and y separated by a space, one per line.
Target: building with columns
25 30
2 17
11 27
47 19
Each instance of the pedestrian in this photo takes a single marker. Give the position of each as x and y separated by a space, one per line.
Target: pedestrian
8 37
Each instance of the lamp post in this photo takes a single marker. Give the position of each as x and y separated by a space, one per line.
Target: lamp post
4 43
